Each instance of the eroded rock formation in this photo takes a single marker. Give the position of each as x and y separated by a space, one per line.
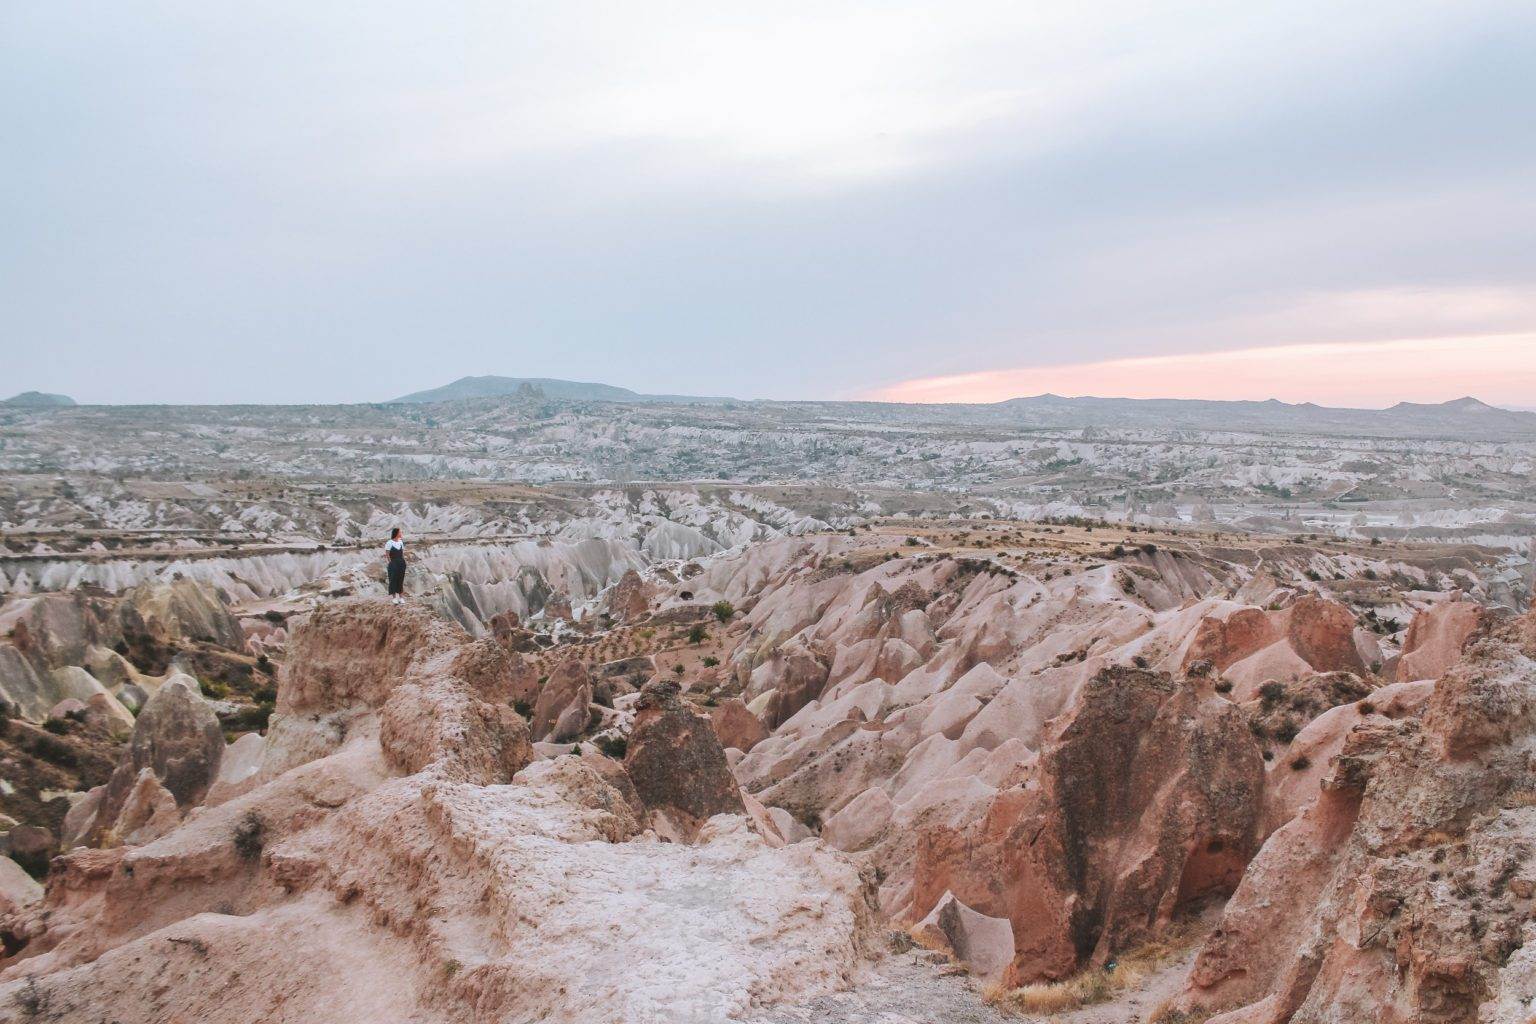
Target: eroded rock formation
397 856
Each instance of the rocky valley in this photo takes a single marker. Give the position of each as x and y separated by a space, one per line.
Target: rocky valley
702 710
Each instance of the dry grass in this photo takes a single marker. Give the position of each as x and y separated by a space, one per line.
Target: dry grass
1101 984
1168 1015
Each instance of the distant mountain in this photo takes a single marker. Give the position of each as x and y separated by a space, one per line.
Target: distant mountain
564 390
37 400
1463 417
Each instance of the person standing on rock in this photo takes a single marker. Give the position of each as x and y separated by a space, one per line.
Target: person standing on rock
394 550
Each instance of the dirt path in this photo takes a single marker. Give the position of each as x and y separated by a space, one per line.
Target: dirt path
917 987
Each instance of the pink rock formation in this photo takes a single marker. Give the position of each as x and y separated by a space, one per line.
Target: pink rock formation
1251 646
561 713
178 741
629 598
984 944
1148 800
1438 636
736 726
1403 893
387 864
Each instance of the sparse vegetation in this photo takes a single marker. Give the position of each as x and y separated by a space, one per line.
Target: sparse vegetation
612 746
250 836
723 610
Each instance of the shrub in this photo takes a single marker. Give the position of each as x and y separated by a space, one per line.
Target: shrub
912 542
213 688
1286 730
1302 763
612 746
57 726
711 661
697 635
677 670
523 708
1223 685
1272 692
723 610
250 836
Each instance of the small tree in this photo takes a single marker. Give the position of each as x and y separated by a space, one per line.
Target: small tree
698 634
723 610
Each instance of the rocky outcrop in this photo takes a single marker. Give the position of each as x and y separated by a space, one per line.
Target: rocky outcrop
629 598
1403 893
1148 799
1251 646
676 762
178 742
562 711
736 726
43 640
408 856
984 944
1438 636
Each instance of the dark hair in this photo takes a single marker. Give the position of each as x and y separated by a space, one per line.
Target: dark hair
394 533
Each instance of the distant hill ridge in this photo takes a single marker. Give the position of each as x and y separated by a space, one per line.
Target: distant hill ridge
1460 417
505 387
37 400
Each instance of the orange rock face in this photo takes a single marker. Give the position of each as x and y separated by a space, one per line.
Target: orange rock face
1149 798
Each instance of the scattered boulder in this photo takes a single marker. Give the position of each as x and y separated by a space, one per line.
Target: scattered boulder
984 944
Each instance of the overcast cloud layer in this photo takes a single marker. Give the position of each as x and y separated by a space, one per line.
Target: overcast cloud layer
344 202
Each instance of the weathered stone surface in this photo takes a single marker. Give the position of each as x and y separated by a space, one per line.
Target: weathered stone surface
736 726
178 738
18 889
676 762
984 944
629 598
1438 636
1149 798
1403 892
446 895
561 712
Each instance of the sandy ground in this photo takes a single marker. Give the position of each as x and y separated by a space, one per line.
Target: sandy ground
919 987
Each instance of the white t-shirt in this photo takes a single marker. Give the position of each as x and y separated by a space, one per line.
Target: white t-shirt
394 545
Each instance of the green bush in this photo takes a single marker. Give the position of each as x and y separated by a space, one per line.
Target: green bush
723 610
612 746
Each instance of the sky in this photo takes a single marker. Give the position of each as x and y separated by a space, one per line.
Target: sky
335 201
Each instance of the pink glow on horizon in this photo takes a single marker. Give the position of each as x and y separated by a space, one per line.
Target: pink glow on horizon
1499 369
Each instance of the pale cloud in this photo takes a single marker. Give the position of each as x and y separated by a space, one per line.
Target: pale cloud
1499 369
319 201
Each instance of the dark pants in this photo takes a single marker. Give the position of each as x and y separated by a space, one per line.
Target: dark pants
396 576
